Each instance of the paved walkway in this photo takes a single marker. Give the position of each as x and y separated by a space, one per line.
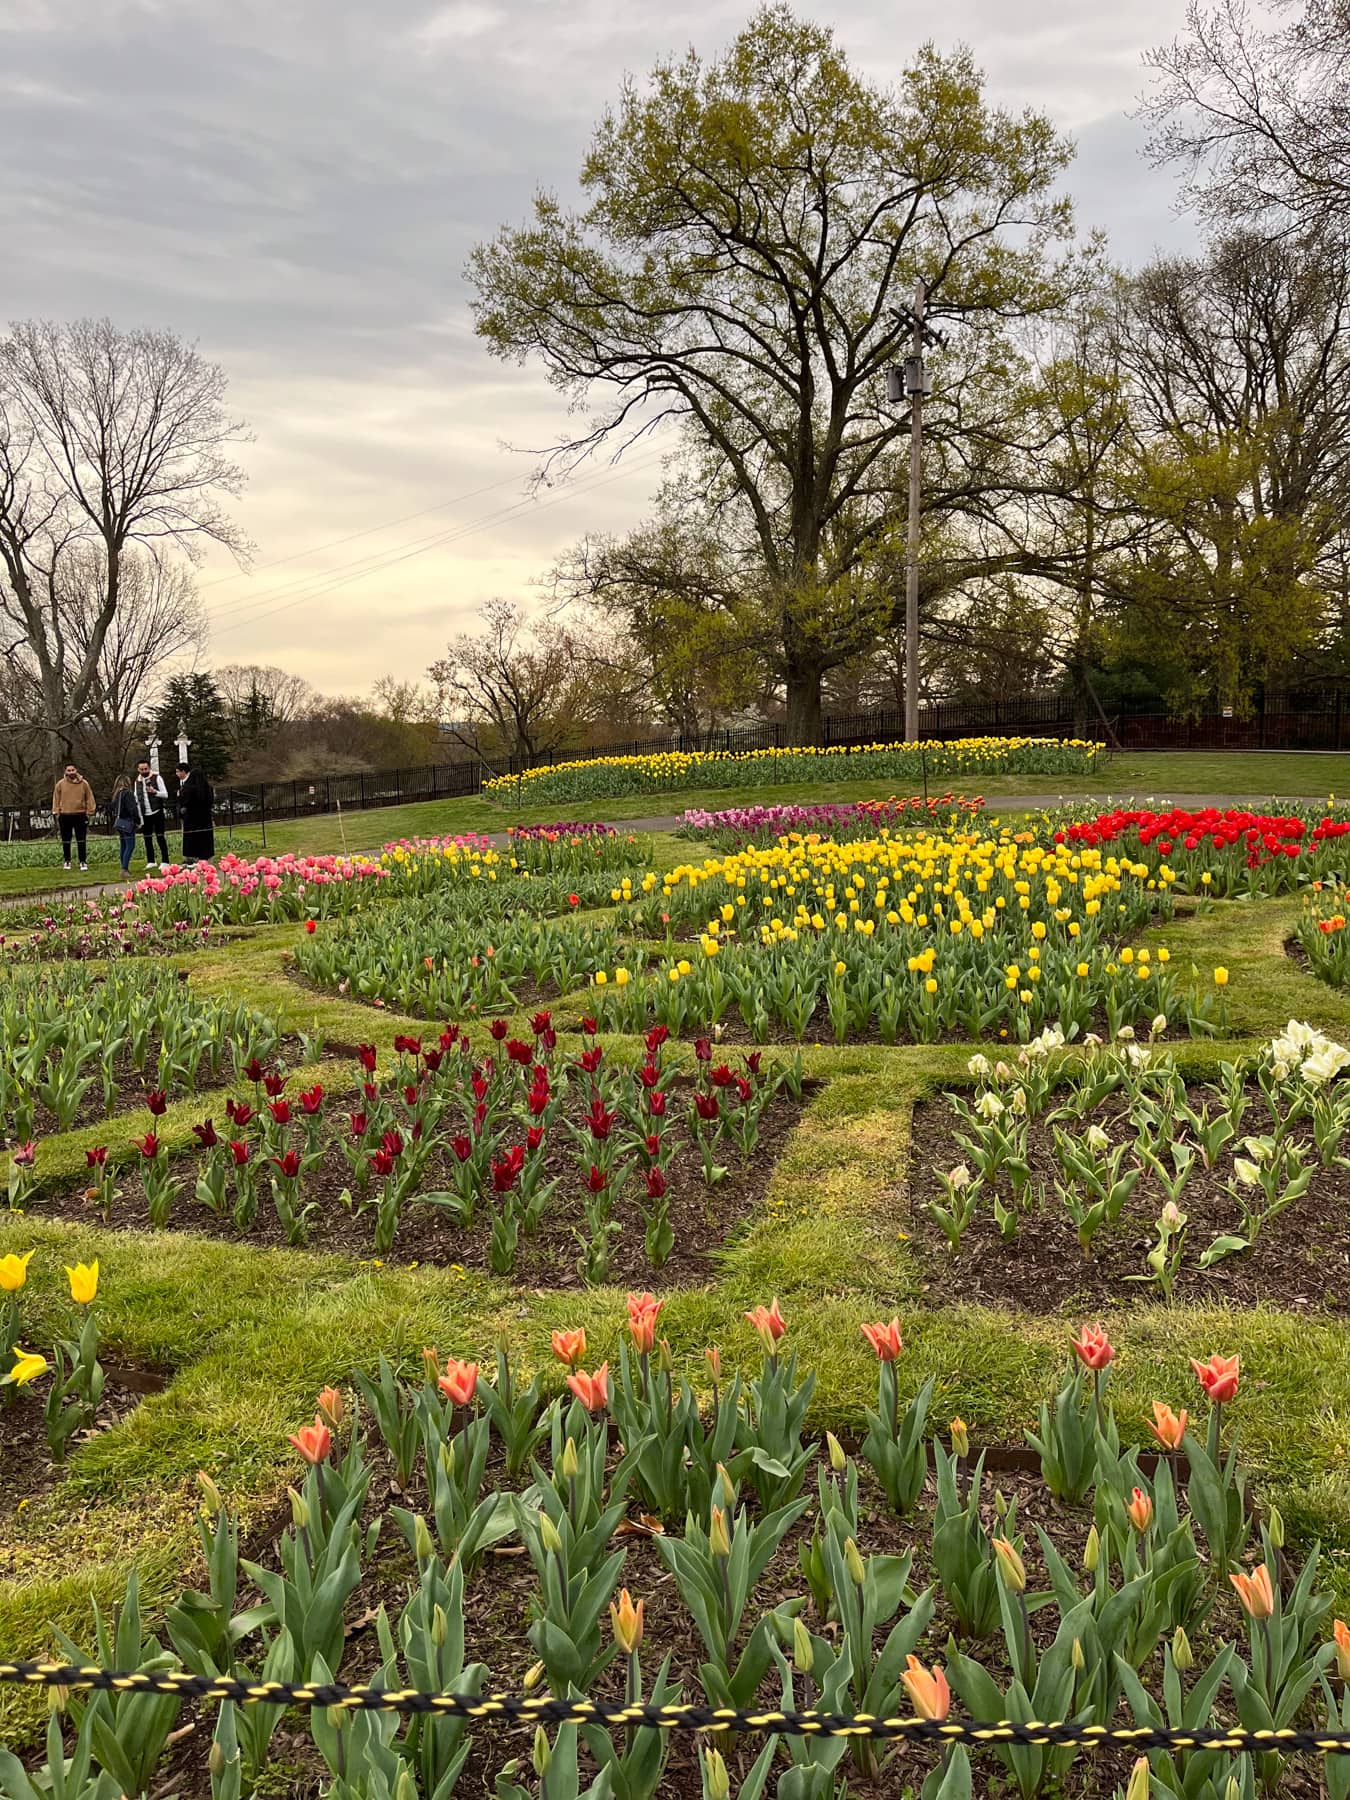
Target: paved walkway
671 822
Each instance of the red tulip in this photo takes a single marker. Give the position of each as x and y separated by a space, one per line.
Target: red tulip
97 1157
148 1147
366 1055
274 1084
1218 1377
707 1106
498 1028
310 927
158 1102
768 1322
280 1111
288 1165
358 1122
311 1100
240 1153
206 1135
656 1184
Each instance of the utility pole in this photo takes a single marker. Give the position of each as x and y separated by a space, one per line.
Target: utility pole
913 383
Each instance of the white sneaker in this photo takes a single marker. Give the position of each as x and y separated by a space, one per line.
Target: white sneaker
66 867
84 868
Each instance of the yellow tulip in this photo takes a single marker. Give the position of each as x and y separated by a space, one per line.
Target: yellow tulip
14 1271
28 1365
83 1282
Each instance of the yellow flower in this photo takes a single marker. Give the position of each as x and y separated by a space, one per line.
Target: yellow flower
83 1282
1083 971
14 1271
930 986
28 1365
841 968
601 978
621 977
1221 977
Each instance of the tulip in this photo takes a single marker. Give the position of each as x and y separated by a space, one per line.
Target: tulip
626 1621
240 1153
1011 1566
960 1438
570 1346
591 1390
838 1460
1138 1788
1168 1427
332 1406
929 1694
719 1542
1092 1551
1256 1592
885 1340
83 1280
205 1134
148 1146
287 1165
158 1102
1221 977
459 1382
1340 1637
26 1154
28 1365
643 1312
14 1271
312 1442
97 1157
1140 1510
803 1650
1093 1348
769 1323
1218 1377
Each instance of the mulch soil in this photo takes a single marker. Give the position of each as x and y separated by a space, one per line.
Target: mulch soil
1299 1263
498 1602
26 1466
703 1218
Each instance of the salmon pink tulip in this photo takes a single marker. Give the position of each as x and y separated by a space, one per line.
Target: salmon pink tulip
1093 1348
1218 1377
460 1381
1168 1427
591 1390
885 1340
570 1346
312 1442
1256 1592
928 1691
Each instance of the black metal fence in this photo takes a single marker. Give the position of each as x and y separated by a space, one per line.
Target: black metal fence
1314 719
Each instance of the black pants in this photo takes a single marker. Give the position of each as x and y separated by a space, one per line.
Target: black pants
78 824
152 828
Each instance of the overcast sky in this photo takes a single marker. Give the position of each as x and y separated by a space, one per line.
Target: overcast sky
297 183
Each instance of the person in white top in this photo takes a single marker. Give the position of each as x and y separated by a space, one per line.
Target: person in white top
152 801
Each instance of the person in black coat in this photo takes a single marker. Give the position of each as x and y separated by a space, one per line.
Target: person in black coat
195 801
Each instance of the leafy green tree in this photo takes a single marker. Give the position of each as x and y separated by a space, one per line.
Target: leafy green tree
751 226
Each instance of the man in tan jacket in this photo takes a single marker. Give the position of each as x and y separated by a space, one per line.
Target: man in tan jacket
73 807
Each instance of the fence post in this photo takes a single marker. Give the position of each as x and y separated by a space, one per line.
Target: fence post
262 810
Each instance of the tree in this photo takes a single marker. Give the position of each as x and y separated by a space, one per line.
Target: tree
1259 116
108 440
513 688
192 704
752 224
260 700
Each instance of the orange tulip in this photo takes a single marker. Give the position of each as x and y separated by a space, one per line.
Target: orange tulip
626 1620
1255 1592
312 1442
769 1323
332 1407
1093 1348
570 1347
643 1312
591 1390
929 1694
1140 1510
1218 1377
1168 1427
885 1339
1340 1636
459 1383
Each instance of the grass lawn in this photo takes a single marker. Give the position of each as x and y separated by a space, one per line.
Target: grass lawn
249 1334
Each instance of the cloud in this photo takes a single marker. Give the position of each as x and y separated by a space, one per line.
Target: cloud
298 187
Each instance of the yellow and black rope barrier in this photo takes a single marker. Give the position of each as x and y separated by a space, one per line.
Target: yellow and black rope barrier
544 1709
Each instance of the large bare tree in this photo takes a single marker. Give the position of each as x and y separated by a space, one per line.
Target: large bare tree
108 440
514 687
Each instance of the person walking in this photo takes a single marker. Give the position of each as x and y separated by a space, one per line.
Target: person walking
126 820
195 801
152 800
72 808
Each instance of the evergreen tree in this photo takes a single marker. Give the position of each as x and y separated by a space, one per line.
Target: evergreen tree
192 703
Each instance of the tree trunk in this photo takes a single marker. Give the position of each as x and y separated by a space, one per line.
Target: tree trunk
804 718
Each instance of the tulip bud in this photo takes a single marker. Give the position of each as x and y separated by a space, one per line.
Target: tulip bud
405 1788
337 1718
1000 1504
1182 1657
299 1510
857 1573
215 1762
718 1541
431 1363
1138 1788
713 1357
448 1460
57 1697
571 1465
542 1755
803 1651
838 1461
1232 1791
665 1362
210 1492
626 1621
728 1487
1275 1529
716 1781
533 1676
960 1438
549 1536
1011 1566
1092 1551
1076 1657
424 1545
440 1626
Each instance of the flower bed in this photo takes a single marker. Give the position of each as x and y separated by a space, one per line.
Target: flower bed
267 889
600 777
528 1162
737 826
1107 1177
1224 852
636 1539
569 848
1321 933
95 930
77 1046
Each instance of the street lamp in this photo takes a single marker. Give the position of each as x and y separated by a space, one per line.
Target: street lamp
912 382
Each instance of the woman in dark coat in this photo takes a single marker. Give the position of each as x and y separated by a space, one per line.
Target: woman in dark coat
195 801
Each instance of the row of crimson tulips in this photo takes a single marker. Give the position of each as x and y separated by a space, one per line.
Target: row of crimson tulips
1223 850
